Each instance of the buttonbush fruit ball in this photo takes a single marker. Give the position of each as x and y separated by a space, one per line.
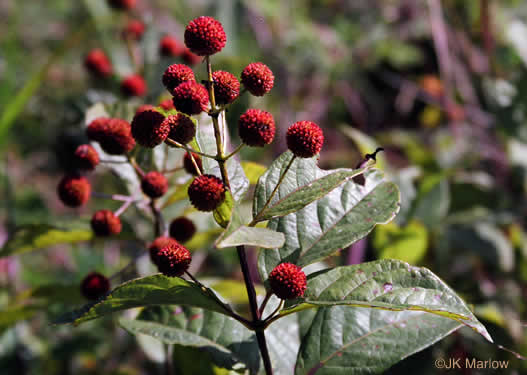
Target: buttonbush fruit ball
287 281
167 104
154 184
189 165
104 223
304 139
94 285
85 158
116 137
205 36
226 87
144 107
257 78
98 64
191 98
190 58
157 245
122 4
256 128
170 46
176 74
182 229
149 128
182 128
97 128
173 260
133 85
134 30
206 192
74 190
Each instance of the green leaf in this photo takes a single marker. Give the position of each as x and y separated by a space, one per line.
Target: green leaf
228 341
337 220
433 200
207 144
388 285
40 236
291 200
350 340
238 234
253 171
407 243
15 314
222 213
180 193
147 291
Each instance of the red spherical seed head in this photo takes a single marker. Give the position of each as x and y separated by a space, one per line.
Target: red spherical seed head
170 46
74 190
122 4
173 260
133 85
287 281
206 192
95 285
134 30
85 158
191 98
226 87
182 229
158 244
190 58
167 104
189 165
117 138
97 63
256 128
104 223
182 128
149 128
176 74
257 78
154 184
304 139
97 128
144 107
205 36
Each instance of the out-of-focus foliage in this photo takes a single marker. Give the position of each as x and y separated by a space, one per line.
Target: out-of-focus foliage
451 117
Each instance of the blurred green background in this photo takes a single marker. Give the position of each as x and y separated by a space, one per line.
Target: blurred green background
441 85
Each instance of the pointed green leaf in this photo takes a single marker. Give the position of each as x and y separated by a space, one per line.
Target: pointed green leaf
40 236
147 291
335 221
228 341
350 340
291 199
253 171
388 285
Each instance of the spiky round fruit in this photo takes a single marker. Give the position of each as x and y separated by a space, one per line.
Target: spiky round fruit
176 74
189 57
97 128
182 229
133 85
104 223
167 104
149 128
97 63
170 46
206 192
256 128
226 87
205 36
158 244
134 30
122 4
288 281
257 78
74 190
304 139
144 107
154 184
182 128
85 158
94 286
191 98
173 260
116 138
189 165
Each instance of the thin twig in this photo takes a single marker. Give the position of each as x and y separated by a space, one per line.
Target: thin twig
189 149
236 150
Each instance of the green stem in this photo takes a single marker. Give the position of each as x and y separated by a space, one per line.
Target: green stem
273 193
236 150
189 149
